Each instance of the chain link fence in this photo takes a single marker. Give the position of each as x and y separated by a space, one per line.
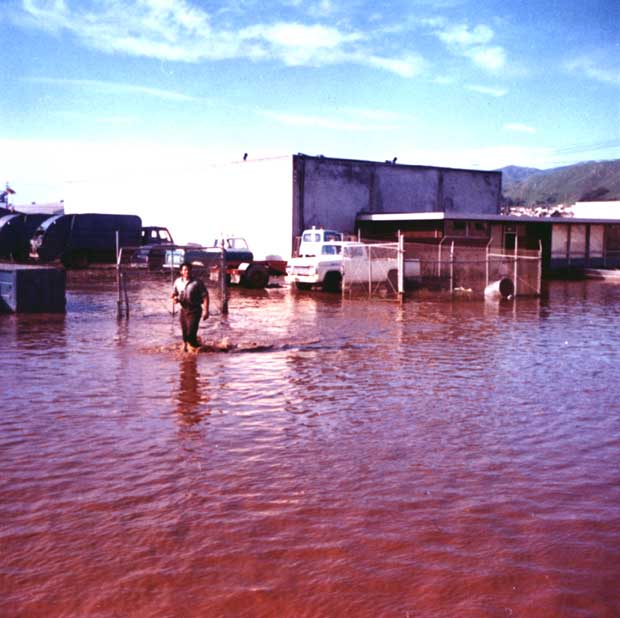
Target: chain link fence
156 268
454 266
371 269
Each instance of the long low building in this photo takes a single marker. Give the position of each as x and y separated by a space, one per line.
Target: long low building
566 243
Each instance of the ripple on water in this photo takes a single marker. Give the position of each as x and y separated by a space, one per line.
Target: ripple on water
429 459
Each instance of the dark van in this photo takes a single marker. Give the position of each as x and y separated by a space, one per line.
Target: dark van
78 240
16 230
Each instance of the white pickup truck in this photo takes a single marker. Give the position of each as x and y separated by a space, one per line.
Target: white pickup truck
325 259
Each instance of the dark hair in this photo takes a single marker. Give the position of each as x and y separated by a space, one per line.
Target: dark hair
188 264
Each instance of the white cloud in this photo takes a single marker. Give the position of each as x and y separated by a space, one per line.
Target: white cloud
174 30
462 36
409 66
494 92
473 43
490 58
299 35
519 128
596 69
113 88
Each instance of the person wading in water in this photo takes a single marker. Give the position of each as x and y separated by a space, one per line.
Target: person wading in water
193 297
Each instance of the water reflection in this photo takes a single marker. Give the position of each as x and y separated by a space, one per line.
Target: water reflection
190 396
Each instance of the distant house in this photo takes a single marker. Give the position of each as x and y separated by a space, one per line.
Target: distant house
597 210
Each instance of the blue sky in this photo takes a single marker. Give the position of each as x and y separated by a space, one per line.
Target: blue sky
152 90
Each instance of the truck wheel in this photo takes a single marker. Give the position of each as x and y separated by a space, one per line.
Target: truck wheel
302 286
332 282
255 277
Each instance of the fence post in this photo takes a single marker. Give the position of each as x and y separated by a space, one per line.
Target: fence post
539 267
369 271
439 247
452 268
488 264
124 280
515 268
401 266
172 279
223 284
119 300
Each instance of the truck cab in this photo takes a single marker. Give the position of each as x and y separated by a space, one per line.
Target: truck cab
318 261
313 240
155 235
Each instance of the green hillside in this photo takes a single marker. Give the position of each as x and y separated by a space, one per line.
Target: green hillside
590 181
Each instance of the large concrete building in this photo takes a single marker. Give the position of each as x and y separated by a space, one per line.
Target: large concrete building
332 192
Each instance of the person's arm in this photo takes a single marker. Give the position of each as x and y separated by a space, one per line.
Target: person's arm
175 294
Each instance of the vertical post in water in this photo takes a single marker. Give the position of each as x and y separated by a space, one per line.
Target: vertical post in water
452 268
119 308
539 267
515 268
486 279
369 270
223 284
401 266
124 279
172 254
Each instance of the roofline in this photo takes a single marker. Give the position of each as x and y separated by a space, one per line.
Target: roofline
390 164
442 216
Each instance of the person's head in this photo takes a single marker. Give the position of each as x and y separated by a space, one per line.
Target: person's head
186 270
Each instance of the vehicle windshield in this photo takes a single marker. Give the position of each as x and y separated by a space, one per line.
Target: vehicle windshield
311 237
231 243
330 249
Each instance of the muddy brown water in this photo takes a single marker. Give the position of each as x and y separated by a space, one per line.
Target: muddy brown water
345 458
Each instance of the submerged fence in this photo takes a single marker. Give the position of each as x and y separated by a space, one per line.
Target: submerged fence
157 269
389 270
458 267
373 269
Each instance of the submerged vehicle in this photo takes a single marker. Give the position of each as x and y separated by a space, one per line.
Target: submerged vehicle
16 231
81 239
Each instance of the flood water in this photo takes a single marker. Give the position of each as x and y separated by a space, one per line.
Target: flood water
435 459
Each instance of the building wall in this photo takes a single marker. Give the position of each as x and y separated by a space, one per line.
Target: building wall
331 192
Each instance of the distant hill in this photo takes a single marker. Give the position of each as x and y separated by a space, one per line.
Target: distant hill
590 181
